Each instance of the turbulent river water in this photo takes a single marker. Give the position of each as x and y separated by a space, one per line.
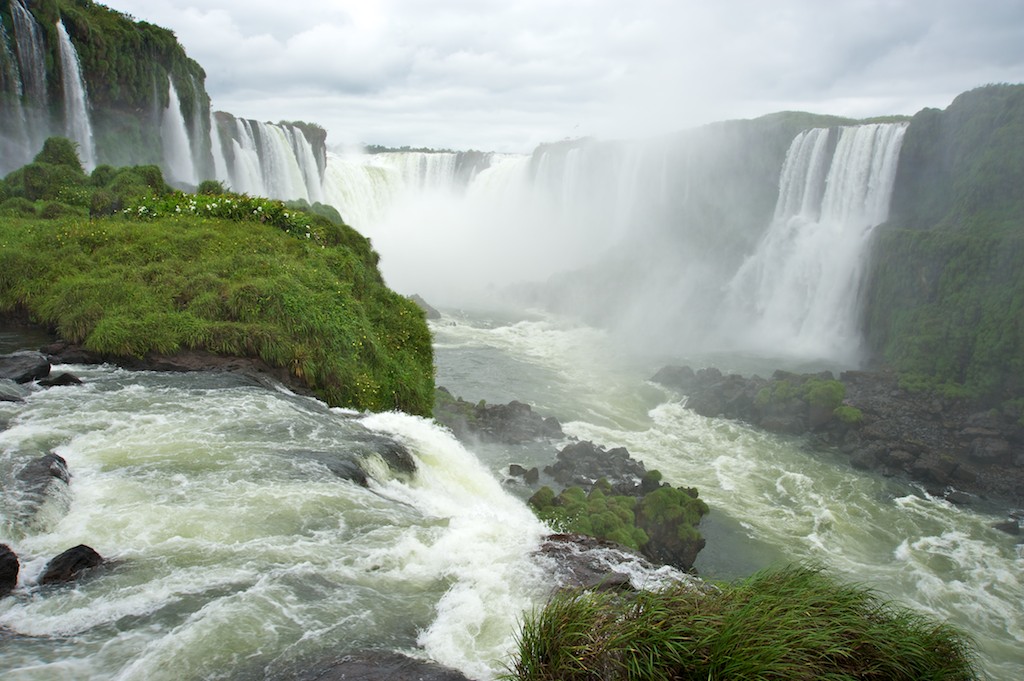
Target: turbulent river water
236 553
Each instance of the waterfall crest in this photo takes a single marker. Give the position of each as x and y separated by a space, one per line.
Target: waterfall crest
799 292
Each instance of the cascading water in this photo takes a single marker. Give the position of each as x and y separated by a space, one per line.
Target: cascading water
14 137
77 125
266 159
24 110
798 293
178 150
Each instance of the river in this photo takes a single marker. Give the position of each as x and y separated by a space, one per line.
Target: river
235 553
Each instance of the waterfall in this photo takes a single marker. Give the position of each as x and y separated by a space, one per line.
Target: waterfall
178 160
76 101
220 162
15 134
275 160
798 293
303 154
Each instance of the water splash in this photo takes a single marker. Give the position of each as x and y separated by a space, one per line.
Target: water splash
77 125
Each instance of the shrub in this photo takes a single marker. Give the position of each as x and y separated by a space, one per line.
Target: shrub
825 394
851 416
211 188
794 623
18 206
60 151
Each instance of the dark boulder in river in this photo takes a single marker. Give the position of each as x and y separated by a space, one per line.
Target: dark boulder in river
24 366
9 568
70 565
380 665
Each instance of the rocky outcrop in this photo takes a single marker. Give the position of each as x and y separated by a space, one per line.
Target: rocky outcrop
71 565
582 464
428 310
621 500
379 665
948 445
9 568
511 423
63 352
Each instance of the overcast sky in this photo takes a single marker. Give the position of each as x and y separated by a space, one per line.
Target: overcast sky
506 75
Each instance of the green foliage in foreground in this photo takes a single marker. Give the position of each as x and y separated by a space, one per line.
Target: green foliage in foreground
794 624
232 275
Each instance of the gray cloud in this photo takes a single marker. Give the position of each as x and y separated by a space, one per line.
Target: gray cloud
508 75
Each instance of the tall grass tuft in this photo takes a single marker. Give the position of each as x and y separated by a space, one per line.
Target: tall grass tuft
796 623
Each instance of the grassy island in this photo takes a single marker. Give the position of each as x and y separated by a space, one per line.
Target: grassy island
118 262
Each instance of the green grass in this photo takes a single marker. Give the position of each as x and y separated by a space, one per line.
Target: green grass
158 271
795 623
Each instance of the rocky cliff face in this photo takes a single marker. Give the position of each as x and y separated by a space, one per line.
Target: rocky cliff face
127 94
946 291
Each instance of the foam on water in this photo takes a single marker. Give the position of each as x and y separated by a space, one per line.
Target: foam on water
233 547
789 502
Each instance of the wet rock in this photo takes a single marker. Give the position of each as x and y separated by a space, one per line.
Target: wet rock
38 473
955 496
1010 526
581 464
9 568
512 423
61 379
24 366
530 476
11 391
379 665
71 565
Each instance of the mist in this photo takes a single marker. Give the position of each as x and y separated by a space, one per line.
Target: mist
748 237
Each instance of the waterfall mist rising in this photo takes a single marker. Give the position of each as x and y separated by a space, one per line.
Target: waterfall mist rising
722 239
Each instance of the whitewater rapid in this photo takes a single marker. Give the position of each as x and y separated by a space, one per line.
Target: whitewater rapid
774 500
236 553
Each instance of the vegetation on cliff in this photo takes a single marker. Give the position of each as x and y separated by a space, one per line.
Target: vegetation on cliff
126 65
125 266
945 304
793 623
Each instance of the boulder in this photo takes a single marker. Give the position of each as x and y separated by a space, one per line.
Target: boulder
9 568
1011 526
11 391
38 473
24 366
70 565
530 476
61 379
381 665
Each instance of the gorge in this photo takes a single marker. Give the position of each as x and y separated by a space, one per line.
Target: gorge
566 278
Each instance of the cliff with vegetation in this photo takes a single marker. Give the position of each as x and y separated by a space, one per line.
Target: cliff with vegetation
945 304
128 268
